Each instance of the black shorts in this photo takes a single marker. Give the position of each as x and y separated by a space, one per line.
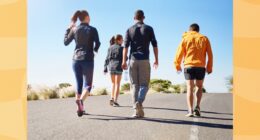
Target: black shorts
194 73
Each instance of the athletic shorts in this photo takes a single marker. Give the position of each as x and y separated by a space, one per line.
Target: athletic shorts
116 72
194 73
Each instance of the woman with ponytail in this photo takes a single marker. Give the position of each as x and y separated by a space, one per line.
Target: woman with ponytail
113 62
87 42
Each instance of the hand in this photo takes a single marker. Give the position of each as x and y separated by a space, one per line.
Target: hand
155 64
105 71
72 25
209 71
95 53
124 65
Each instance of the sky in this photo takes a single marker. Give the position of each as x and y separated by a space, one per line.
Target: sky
50 62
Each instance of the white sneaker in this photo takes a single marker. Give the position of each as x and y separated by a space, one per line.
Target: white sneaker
190 114
135 115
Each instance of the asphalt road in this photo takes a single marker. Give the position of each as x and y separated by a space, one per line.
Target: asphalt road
56 119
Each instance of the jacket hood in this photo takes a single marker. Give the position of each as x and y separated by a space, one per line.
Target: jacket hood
193 34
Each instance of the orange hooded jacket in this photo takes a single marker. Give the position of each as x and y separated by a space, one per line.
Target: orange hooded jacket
193 48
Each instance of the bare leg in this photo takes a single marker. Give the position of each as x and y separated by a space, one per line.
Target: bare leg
117 87
77 96
190 87
113 86
199 84
77 99
85 93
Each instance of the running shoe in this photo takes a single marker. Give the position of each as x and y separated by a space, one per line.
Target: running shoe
139 109
190 114
80 110
197 111
135 115
111 102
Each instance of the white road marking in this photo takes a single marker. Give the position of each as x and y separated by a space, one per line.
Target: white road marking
194 130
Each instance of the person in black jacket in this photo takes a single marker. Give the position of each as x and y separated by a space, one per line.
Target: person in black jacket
138 38
113 62
85 37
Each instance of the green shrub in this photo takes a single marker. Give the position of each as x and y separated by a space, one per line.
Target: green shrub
157 87
48 93
64 85
176 88
167 91
69 94
99 91
164 83
125 87
32 96
229 83
160 85
121 92
183 88
66 92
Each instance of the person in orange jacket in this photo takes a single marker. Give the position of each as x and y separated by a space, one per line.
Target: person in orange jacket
194 48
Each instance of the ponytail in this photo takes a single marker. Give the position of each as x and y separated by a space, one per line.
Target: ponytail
115 39
75 16
112 41
79 15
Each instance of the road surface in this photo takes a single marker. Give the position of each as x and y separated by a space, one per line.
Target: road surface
56 119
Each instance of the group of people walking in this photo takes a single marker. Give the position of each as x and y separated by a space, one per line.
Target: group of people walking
194 49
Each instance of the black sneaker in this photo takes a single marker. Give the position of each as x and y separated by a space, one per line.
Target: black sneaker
80 113
197 111
116 104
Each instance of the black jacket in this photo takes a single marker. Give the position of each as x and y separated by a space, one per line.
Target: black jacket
85 36
114 58
139 37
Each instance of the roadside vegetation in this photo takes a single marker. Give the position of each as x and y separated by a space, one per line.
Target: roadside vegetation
66 90
229 83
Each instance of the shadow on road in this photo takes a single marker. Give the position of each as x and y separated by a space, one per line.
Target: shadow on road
173 109
160 120
184 122
216 118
